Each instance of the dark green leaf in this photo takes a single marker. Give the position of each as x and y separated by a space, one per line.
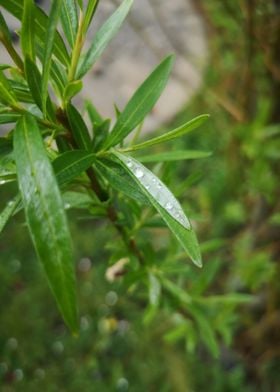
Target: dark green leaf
71 164
79 128
103 37
141 103
69 20
119 180
176 133
165 203
45 216
49 43
27 37
174 156
34 80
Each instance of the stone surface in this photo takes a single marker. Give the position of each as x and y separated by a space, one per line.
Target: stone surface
154 29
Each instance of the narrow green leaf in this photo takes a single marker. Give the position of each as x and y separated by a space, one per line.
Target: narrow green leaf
176 133
69 20
6 118
141 103
49 37
27 37
79 128
103 37
170 156
45 216
34 81
7 95
8 211
15 7
165 203
71 164
72 89
94 116
90 11
4 30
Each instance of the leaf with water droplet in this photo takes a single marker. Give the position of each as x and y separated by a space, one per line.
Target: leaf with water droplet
165 203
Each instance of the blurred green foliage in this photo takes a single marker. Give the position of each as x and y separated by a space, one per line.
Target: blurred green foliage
230 307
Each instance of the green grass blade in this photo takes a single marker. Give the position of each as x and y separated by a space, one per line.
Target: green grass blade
45 216
174 134
50 37
165 203
141 103
103 37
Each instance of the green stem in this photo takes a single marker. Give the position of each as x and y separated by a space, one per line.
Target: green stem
76 50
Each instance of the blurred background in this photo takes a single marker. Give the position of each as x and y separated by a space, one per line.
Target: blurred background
227 65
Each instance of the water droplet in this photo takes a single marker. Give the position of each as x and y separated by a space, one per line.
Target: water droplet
67 206
122 384
84 264
159 186
154 180
10 203
58 347
147 187
84 323
169 206
18 374
139 173
40 373
111 298
12 343
129 163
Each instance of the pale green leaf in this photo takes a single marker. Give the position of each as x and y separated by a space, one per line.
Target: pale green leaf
27 37
69 20
50 38
103 37
141 103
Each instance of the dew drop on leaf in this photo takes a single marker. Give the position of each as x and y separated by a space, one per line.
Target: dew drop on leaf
157 190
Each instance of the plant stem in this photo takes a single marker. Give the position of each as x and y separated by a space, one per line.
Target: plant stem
76 50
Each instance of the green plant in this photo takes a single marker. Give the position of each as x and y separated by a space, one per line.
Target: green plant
62 161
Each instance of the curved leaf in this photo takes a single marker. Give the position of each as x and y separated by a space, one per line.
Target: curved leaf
103 37
141 103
